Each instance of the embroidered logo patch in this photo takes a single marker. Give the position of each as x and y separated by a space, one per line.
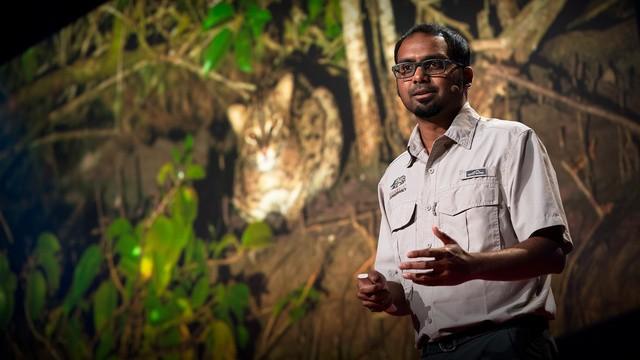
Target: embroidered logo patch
399 181
397 192
475 173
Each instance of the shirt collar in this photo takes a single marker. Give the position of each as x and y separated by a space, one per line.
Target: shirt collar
461 131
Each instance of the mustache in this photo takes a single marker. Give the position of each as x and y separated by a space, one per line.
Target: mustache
422 89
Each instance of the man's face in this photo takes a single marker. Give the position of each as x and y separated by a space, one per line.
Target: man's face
426 96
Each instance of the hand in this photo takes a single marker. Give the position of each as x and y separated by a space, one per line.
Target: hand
451 264
374 292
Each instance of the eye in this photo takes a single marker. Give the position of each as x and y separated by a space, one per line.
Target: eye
405 68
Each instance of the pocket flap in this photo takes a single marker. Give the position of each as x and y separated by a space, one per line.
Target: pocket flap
455 201
402 216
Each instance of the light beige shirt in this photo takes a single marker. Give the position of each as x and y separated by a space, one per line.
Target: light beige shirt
488 184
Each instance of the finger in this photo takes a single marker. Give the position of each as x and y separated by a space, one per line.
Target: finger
427 279
375 277
375 307
370 288
446 239
418 265
432 253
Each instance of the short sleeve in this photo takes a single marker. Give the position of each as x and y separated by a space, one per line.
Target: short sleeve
532 189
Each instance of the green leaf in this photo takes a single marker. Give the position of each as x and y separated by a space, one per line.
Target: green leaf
119 227
127 246
104 304
244 50
242 334
187 146
297 313
184 205
216 50
47 243
314 7
86 270
195 172
163 244
164 173
237 299
257 19
200 292
220 341
257 235
5 269
332 19
36 294
106 345
227 240
218 14
52 270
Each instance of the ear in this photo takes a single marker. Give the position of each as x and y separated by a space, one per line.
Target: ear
237 115
284 91
467 76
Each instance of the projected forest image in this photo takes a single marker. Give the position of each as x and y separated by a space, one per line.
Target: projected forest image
198 179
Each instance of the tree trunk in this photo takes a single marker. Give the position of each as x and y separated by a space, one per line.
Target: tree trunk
366 116
403 119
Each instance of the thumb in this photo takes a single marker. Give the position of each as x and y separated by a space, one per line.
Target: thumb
376 277
446 239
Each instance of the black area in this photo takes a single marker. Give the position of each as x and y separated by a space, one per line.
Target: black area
612 339
24 23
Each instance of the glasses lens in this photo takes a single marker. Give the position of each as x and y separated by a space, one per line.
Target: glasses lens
434 66
404 70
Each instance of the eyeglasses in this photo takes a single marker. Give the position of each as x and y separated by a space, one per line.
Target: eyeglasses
429 67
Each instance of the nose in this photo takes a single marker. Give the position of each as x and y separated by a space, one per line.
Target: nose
420 75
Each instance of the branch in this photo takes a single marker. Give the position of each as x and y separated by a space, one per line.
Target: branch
512 76
75 134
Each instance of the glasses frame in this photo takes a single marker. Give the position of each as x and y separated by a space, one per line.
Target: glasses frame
422 65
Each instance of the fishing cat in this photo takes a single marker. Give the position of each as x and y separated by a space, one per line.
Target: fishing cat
289 145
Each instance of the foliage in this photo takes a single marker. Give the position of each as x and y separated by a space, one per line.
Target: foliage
223 19
146 287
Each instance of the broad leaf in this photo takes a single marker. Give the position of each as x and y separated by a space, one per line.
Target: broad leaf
36 294
195 172
52 270
218 14
86 270
8 289
216 50
47 243
257 235
104 304
314 7
220 342
257 19
244 50
118 228
184 205
200 292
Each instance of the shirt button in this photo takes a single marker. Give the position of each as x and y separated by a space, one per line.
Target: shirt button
431 171
428 207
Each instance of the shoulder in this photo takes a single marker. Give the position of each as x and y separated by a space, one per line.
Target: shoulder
396 168
509 127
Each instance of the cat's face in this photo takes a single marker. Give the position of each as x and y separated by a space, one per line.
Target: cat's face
262 127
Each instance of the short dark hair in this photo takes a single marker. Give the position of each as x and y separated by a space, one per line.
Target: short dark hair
457 45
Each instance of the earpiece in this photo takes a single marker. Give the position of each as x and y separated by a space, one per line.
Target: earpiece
455 88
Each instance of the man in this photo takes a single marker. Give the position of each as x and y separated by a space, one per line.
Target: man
472 221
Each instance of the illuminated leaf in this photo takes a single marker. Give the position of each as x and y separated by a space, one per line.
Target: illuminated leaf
119 227
220 341
257 19
164 173
195 172
244 50
227 240
218 14
86 270
216 50
104 304
257 235
184 205
36 293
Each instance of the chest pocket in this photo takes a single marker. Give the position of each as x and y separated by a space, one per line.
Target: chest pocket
403 228
469 214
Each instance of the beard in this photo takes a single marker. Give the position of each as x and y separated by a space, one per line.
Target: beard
427 111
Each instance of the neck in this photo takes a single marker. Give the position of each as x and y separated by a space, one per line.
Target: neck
433 127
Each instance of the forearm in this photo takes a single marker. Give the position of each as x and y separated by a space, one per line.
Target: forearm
533 257
401 305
